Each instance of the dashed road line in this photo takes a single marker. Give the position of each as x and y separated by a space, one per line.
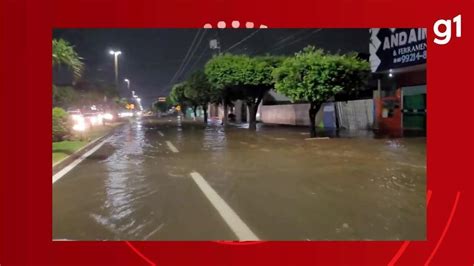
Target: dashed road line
161 133
172 147
240 229
71 166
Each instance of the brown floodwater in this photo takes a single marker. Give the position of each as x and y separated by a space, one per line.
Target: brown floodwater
284 187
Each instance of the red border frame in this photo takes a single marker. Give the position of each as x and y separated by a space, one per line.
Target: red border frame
25 44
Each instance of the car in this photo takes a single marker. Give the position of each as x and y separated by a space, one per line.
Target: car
74 113
94 118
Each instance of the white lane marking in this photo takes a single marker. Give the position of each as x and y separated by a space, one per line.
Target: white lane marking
68 168
240 229
161 133
172 147
154 231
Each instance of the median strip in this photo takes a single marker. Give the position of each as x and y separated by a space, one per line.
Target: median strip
240 229
172 147
71 166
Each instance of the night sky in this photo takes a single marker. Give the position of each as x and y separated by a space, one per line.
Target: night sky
151 57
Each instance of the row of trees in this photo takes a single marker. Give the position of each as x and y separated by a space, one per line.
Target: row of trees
227 78
311 75
195 92
85 93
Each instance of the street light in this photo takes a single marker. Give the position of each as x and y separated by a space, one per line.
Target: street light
128 83
115 54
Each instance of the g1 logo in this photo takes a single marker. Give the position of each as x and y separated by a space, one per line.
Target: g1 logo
444 36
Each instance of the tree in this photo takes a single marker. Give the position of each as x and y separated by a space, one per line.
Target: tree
177 96
64 54
162 106
200 92
242 77
315 76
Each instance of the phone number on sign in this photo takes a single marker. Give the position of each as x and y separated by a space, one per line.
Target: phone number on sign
410 57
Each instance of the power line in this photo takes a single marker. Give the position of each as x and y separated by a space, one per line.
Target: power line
192 68
186 56
243 40
283 40
192 54
297 40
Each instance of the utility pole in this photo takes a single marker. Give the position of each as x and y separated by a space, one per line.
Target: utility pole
214 44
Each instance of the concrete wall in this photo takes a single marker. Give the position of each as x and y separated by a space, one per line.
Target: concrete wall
288 114
358 114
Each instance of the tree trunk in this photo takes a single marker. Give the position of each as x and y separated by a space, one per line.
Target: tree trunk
194 112
252 116
183 110
253 109
313 110
226 113
204 108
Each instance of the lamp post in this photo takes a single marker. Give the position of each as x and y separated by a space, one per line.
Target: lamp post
115 54
128 83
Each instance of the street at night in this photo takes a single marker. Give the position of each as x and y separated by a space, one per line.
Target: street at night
239 135
280 185
222 133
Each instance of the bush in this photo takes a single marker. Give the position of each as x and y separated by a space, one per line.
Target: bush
60 124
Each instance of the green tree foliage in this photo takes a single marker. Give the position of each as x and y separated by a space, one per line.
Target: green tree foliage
83 94
177 96
60 124
64 96
315 76
242 77
64 54
162 106
200 92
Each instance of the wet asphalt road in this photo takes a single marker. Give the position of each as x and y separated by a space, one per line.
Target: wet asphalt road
279 185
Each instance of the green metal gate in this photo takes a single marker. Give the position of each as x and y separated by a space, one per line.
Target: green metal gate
414 107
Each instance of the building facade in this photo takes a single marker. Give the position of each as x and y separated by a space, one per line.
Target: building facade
398 63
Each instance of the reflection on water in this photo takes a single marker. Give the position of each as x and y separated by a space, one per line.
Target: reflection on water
125 183
214 140
282 185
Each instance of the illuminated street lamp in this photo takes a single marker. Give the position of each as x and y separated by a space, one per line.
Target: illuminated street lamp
115 54
128 83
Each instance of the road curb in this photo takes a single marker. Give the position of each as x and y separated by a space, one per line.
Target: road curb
58 166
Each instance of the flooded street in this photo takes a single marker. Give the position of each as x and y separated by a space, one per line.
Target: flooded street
138 186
